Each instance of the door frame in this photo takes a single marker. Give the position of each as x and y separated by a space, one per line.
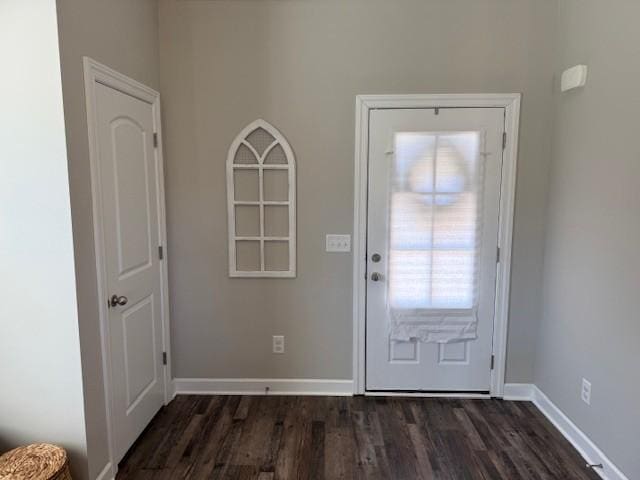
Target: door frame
97 73
364 104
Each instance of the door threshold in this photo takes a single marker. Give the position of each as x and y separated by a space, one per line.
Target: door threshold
483 394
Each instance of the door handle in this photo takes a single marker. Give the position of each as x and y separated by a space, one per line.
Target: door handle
376 277
116 300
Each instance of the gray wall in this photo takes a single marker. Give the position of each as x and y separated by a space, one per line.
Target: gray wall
122 34
299 65
40 376
590 326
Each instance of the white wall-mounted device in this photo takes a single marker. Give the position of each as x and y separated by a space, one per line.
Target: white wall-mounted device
338 243
573 77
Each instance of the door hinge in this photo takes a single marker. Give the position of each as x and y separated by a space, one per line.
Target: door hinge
155 139
164 358
160 252
497 254
493 361
504 140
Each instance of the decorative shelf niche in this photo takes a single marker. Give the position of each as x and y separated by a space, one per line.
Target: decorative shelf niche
261 200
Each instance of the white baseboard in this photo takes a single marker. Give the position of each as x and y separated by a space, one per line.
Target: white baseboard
106 473
259 386
583 444
172 390
518 392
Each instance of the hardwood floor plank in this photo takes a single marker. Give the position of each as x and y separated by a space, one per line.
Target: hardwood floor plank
181 414
226 451
178 449
316 464
397 442
340 459
212 435
290 445
469 429
422 452
365 447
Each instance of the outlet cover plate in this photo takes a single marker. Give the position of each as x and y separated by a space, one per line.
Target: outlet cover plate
338 243
278 344
585 391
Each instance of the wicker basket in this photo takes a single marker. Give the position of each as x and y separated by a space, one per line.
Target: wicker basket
39 461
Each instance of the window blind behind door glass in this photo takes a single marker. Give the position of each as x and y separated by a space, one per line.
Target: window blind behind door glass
435 220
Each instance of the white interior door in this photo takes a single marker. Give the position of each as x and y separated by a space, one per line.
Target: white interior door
432 238
129 184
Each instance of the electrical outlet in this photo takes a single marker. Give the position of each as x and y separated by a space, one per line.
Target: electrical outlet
585 391
338 243
278 344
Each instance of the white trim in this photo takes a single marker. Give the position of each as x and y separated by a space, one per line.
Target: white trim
580 441
96 73
106 473
172 390
239 141
505 238
518 392
258 386
364 103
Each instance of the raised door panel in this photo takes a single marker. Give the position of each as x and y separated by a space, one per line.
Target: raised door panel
131 181
140 355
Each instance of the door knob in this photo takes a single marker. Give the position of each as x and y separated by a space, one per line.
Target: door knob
116 300
375 276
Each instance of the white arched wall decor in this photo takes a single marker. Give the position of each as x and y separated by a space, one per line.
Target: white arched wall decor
261 203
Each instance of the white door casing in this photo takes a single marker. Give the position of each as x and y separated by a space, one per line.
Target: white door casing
365 106
129 224
431 239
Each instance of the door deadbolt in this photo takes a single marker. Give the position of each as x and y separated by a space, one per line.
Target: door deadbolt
375 258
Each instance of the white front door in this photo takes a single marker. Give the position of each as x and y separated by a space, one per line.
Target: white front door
432 238
129 185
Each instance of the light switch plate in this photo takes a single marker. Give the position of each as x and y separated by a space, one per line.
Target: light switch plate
338 243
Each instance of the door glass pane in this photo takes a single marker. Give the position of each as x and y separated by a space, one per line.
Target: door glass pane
435 220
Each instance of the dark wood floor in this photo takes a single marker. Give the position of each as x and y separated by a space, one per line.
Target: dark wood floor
274 437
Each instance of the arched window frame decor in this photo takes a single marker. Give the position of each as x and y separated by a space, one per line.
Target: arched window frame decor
261 203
